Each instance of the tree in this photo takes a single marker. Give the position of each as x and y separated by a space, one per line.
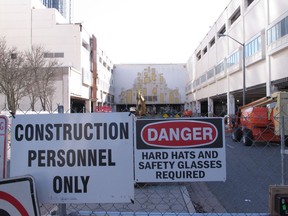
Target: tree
43 74
13 79
27 74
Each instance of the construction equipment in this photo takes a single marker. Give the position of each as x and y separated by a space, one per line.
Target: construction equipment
140 105
262 120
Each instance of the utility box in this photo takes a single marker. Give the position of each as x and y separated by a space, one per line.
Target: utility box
278 200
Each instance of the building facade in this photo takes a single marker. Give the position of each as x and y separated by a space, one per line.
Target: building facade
241 58
28 23
65 7
161 85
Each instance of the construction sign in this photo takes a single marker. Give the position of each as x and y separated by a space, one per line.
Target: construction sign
75 158
18 197
180 150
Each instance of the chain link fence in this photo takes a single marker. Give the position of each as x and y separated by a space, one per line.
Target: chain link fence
255 158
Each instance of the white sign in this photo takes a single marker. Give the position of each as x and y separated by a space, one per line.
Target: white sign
3 145
18 197
75 158
180 150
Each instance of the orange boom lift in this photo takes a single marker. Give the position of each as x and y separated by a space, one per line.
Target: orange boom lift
260 120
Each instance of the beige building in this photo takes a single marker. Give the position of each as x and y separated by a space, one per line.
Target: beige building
249 41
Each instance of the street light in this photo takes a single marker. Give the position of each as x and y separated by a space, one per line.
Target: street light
243 63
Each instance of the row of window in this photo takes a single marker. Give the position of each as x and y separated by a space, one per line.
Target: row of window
222 30
53 55
277 31
251 48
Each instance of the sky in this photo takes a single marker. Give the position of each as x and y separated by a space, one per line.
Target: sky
148 31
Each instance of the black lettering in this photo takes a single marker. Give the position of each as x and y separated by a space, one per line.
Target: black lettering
39 132
92 157
51 158
113 131
67 132
57 184
77 131
41 158
68 180
49 133
70 158
81 157
18 135
110 162
141 165
29 132
87 135
102 157
61 159
124 131
97 125
58 126
85 181
32 155
105 131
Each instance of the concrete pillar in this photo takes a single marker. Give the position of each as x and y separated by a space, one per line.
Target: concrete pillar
198 108
210 107
230 104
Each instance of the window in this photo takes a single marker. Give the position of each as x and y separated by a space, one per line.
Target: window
235 16
203 78
59 55
198 55
277 31
219 68
205 50
222 30
233 59
48 55
85 45
212 42
253 47
249 2
210 73
53 55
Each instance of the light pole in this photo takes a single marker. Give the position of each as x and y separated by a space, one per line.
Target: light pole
243 64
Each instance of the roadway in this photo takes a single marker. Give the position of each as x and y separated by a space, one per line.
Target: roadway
250 171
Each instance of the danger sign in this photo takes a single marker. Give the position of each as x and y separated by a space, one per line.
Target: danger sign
180 150
75 158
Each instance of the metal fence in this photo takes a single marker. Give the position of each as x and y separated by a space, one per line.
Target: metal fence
251 169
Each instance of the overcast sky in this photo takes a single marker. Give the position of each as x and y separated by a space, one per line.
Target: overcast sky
148 31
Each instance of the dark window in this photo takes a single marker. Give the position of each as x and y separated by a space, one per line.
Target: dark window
249 2
222 30
212 42
235 16
59 55
198 55
205 50
48 55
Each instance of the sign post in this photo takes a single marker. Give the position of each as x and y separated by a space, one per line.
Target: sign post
180 150
3 145
75 158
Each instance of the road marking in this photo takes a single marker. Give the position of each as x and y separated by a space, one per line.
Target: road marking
230 146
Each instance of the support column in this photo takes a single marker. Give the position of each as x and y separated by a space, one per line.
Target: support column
230 104
196 108
210 107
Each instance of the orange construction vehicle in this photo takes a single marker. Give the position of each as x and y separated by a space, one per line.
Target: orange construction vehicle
260 120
